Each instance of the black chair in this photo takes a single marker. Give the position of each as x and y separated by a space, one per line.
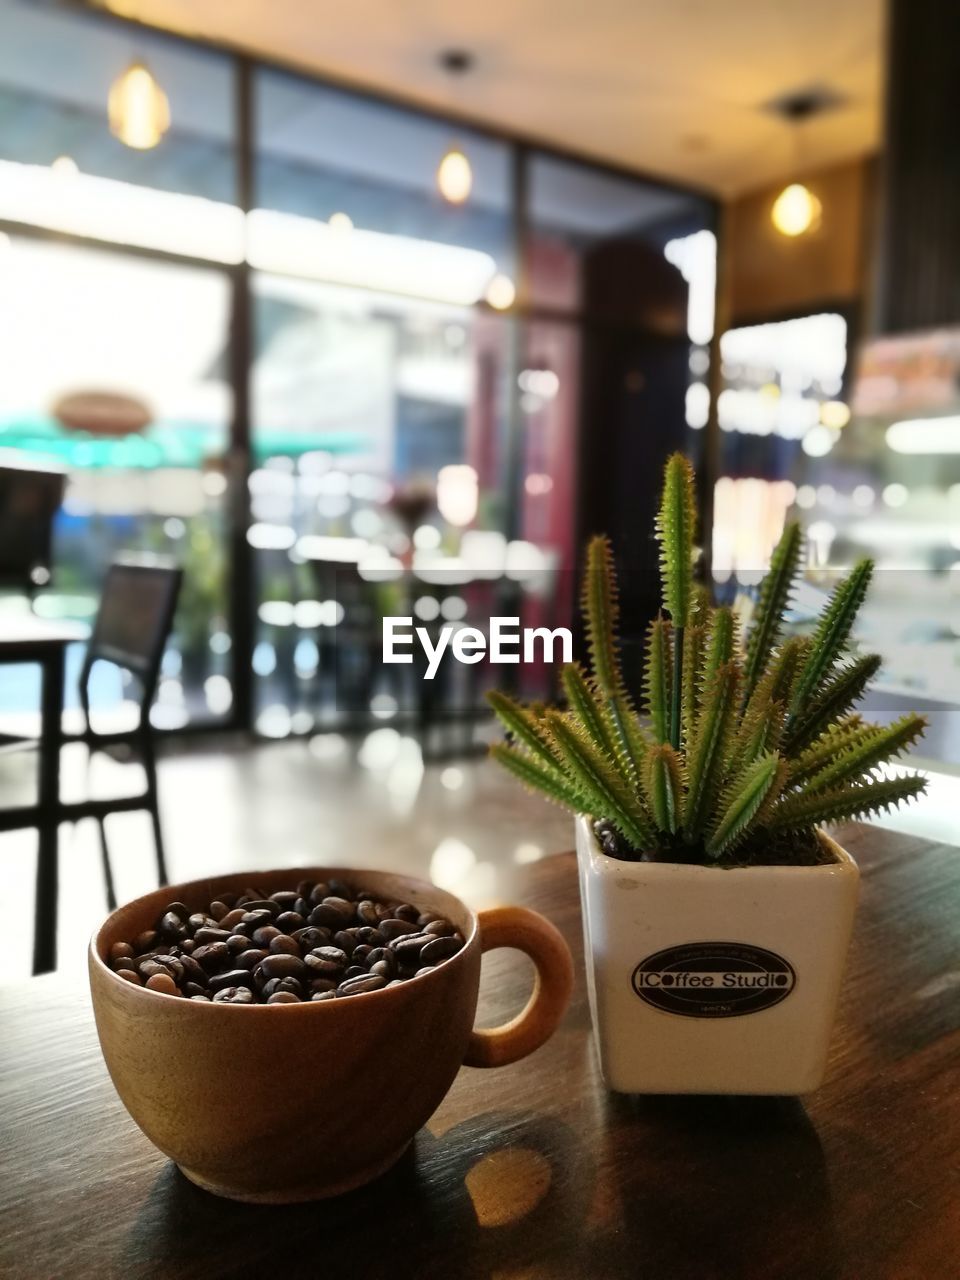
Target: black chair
133 623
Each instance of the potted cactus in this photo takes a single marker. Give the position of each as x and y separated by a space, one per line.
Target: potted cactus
717 912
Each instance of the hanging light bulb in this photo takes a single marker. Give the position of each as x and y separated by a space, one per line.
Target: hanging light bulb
796 210
455 173
138 109
455 176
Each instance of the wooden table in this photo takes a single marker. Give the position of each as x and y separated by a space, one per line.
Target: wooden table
26 639
535 1170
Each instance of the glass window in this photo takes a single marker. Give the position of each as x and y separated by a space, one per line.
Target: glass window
115 368
62 168
863 452
378 489
597 244
346 191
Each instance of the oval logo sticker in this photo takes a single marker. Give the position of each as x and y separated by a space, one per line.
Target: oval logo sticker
713 979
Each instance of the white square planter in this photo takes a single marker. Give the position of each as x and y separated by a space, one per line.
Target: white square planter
706 980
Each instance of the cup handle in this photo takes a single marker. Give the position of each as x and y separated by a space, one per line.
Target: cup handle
533 934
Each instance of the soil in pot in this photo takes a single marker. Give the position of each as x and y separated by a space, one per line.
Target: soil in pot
781 849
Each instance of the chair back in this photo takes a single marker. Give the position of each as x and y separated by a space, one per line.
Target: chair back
133 622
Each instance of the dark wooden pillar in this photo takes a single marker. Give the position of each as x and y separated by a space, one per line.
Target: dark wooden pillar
918 282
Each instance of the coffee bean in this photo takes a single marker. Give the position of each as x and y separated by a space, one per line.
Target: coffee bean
311 937
213 956
311 942
232 995
205 935
341 906
264 904
232 978
171 926
288 921
325 960
326 917
389 959
371 937
163 983
367 913
192 971
323 995
358 986
173 965
281 984
440 949
409 948
282 966
391 929
439 928
346 939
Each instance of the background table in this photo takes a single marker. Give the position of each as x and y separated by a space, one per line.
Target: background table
535 1170
26 639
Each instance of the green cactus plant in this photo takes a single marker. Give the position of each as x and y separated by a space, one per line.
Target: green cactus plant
733 748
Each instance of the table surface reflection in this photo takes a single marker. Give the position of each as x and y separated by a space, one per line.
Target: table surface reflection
535 1170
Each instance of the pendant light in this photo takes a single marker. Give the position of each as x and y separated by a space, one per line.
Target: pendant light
455 173
137 108
797 210
455 176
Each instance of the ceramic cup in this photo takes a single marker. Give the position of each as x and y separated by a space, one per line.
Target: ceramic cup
280 1103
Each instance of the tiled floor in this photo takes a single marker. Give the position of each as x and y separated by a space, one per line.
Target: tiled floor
229 805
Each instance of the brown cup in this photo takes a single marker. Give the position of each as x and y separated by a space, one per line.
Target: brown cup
288 1102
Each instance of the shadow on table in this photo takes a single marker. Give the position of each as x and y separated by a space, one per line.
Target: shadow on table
717 1187
492 1195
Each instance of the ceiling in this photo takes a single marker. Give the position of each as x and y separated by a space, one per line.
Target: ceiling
676 89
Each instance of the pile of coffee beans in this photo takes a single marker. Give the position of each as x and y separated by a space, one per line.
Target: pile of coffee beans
316 942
